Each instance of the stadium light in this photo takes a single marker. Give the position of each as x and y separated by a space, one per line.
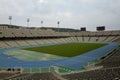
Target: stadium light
28 20
58 25
10 18
41 23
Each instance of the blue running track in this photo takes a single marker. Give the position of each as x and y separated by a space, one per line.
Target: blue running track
75 62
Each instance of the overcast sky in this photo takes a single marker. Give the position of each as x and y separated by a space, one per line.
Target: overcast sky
70 13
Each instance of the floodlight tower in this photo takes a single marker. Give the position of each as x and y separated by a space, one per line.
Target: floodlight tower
41 23
28 20
10 18
58 25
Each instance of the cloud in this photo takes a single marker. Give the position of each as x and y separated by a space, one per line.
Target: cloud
71 13
42 1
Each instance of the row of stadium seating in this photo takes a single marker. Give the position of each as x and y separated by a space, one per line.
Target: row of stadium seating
99 74
36 76
97 39
14 31
29 42
112 60
4 75
6 31
50 33
110 70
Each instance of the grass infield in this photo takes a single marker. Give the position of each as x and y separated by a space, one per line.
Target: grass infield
68 49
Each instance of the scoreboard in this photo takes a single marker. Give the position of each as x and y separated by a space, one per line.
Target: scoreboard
83 28
100 28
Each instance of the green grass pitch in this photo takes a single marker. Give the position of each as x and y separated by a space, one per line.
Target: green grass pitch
68 49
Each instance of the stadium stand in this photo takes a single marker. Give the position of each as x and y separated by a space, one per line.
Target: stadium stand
31 36
112 60
3 45
4 75
110 70
36 76
99 74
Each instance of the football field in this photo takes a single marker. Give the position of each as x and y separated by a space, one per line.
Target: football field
68 49
52 52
